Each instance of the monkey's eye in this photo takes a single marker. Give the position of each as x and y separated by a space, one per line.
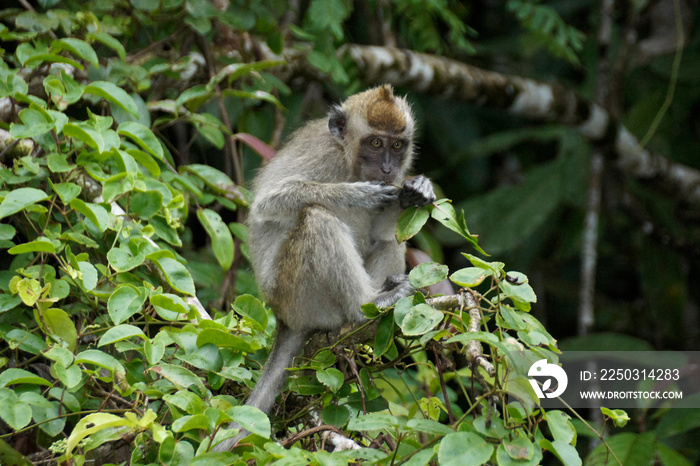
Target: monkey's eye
376 143
397 145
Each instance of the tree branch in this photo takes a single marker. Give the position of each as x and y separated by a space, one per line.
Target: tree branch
521 97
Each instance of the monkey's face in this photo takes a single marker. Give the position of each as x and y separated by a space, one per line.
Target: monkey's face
381 157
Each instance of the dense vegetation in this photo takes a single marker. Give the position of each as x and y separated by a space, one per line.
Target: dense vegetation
131 328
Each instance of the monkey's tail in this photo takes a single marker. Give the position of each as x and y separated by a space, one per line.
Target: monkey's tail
288 343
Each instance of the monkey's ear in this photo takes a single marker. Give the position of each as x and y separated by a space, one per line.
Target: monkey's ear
338 122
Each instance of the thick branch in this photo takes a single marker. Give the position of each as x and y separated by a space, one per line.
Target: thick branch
529 99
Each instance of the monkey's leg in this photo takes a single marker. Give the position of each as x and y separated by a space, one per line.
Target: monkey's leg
386 265
322 281
395 287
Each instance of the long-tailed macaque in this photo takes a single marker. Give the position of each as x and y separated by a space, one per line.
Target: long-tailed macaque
322 225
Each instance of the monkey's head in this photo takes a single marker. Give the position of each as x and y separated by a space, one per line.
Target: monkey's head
376 129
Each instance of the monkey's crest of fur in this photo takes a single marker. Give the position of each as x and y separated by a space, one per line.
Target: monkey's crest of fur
379 110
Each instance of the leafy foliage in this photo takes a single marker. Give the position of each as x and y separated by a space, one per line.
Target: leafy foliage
548 28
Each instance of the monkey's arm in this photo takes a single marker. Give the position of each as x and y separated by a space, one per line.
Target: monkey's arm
387 257
288 198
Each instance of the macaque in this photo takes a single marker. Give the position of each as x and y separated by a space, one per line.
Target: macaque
322 225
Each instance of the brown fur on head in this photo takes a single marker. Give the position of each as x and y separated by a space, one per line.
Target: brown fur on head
378 108
383 114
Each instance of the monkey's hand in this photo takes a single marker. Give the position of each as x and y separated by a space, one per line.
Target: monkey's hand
376 194
417 191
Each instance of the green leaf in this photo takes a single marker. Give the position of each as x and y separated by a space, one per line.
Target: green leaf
146 161
85 133
100 359
146 204
91 424
45 413
199 93
142 136
384 336
223 340
445 213
186 401
255 95
29 342
146 5
70 376
678 421
521 291
207 357
429 426
57 163
670 457
122 259
52 58
119 333
630 448
335 415
214 178
117 185
619 417
331 378
97 214
58 322
560 426
20 199
169 306
124 302
180 377
16 413
220 235
7 232
29 290
66 191
420 320
8 302
41 244
252 419
237 70
401 309
373 421
154 351
78 48
460 448
328 15
427 274
15 376
469 277
114 94
88 275
518 451
36 122
251 307
195 422
410 222
110 42
176 275
568 455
